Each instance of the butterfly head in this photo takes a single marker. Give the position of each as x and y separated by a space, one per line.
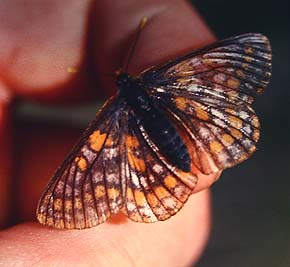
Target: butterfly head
124 80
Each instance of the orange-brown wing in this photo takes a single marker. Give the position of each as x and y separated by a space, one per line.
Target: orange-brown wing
87 189
114 166
154 190
209 93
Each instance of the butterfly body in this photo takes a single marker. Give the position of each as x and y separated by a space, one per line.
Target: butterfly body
143 152
159 128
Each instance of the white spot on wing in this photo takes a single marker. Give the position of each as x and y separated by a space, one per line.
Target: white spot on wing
146 210
112 177
135 179
178 191
169 202
131 206
204 133
88 154
157 168
110 153
97 177
244 115
219 78
219 122
247 129
144 182
160 90
217 113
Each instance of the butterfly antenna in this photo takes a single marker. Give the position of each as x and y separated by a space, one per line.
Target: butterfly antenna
142 23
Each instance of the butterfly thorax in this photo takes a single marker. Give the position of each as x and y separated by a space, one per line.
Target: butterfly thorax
154 120
132 92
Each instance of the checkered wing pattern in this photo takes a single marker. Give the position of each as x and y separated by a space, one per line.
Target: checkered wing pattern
154 190
86 189
114 166
209 92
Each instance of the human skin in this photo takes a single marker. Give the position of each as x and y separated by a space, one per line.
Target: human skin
39 40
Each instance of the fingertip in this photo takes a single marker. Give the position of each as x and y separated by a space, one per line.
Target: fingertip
178 241
205 181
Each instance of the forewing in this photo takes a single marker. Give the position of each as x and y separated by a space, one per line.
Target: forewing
154 190
209 92
238 67
86 189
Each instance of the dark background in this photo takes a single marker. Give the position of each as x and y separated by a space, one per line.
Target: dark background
251 202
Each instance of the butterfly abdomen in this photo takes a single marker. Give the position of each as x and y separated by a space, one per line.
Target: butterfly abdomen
157 126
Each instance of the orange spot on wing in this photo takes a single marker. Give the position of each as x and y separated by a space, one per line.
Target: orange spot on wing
78 203
113 192
129 194
256 135
252 149
255 122
233 83
59 223
132 142
58 204
68 205
97 140
136 163
140 198
216 147
49 221
100 191
201 114
161 192
181 103
152 199
170 181
228 139
230 111
41 218
233 95
236 133
88 197
81 162
236 122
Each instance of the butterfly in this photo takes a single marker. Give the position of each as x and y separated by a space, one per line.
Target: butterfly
142 152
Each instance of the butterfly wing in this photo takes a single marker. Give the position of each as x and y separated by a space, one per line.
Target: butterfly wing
86 189
114 166
154 189
209 92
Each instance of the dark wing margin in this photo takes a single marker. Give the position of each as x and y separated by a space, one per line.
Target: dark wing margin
239 66
86 189
209 92
154 190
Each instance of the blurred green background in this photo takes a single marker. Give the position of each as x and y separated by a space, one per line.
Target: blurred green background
251 202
